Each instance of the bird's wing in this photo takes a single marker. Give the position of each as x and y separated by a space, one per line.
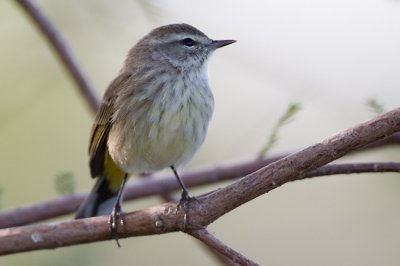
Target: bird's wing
102 125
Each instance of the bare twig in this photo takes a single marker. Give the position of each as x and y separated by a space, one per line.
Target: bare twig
62 51
216 244
161 185
390 140
355 168
207 208
140 188
294 166
218 256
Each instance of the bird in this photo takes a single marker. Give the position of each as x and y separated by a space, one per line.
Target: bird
153 115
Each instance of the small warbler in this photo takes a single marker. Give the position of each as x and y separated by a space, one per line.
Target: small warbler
154 114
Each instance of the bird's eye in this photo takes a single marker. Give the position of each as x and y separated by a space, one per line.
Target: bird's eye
188 42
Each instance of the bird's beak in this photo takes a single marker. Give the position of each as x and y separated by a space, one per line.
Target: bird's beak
219 44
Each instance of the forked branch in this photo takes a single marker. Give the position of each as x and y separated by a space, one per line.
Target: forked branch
207 208
153 185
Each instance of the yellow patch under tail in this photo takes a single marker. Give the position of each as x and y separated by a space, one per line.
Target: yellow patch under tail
113 173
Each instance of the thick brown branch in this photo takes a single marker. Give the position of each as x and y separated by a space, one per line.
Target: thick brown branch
206 208
141 188
216 244
296 165
62 51
153 185
161 185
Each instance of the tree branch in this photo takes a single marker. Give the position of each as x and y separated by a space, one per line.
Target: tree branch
294 166
153 185
354 168
216 244
62 52
207 208
148 186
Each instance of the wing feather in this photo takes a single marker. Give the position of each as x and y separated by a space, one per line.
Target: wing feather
103 123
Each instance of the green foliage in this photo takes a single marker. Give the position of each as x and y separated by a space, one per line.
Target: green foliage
287 116
375 106
65 183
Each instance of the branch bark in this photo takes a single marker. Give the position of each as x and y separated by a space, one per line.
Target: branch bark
62 51
154 185
207 208
216 244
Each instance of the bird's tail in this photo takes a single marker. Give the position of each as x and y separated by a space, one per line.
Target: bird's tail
106 193
100 201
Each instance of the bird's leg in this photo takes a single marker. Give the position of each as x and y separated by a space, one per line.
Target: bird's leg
117 211
184 197
185 192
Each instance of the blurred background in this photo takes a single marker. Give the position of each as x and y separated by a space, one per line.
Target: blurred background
329 56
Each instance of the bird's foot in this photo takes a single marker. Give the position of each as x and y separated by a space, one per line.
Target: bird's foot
184 206
116 215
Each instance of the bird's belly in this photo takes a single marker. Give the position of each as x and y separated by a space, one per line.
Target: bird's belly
158 139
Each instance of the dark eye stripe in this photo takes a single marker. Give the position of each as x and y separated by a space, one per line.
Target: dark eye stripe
188 42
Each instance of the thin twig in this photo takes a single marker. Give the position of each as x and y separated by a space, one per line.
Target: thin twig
147 186
214 243
204 209
389 141
62 51
169 196
160 185
355 168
